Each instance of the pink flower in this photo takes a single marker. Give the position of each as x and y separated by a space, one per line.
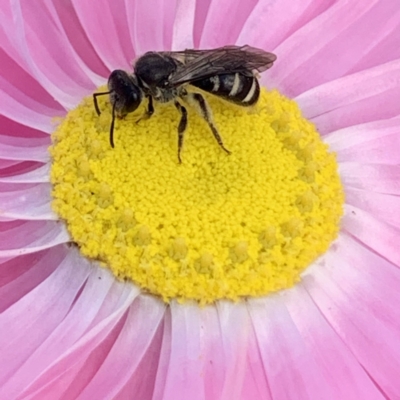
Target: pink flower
68 330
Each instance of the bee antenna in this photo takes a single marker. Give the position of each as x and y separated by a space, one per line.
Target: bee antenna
112 125
96 106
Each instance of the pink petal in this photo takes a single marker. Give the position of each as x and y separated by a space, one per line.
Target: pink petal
357 292
235 325
355 136
384 48
382 206
20 275
10 127
40 62
80 63
164 357
342 372
9 43
225 350
111 42
214 355
374 142
26 201
136 336
141 16
48 304
141 384
181 371
18 169
183 25
20 80
219 30
40 174
80 362
201 12
378 178
67 333
330 45
22 237
288 363
71 381
34 149
17 106
234 347
256 384
381 150
51 51
354 99
279 20
67 21
375 234
4 164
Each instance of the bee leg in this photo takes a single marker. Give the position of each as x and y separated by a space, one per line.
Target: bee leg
205 112
149 112
181 128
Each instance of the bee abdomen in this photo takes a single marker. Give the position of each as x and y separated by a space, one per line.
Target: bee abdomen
236 88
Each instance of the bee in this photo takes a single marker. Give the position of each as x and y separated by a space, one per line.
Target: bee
229 72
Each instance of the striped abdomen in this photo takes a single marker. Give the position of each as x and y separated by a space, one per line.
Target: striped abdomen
235 87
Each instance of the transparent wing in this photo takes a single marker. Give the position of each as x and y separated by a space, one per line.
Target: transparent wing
199 64
185 56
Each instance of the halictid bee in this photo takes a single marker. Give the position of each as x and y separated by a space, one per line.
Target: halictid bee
228 72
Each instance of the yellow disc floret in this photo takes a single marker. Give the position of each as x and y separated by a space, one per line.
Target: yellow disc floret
217 225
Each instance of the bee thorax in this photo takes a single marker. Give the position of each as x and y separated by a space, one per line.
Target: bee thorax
164 95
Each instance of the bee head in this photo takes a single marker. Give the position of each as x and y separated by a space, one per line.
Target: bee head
125 93
125 96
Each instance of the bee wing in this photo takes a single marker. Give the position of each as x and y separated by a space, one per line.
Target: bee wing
199 64
184 56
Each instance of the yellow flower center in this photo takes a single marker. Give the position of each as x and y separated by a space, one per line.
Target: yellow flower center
217 225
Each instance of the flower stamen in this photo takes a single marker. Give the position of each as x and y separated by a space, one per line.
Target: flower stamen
215 226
